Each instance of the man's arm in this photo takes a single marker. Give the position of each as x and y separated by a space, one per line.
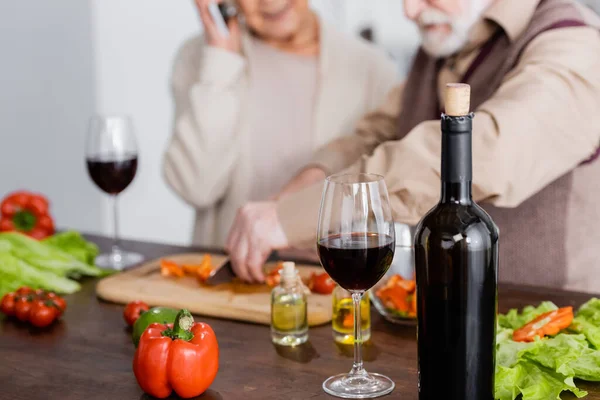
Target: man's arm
540 124
373 129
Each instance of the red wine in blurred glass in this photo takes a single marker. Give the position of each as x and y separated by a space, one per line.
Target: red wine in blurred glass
456 264
356 261
112 173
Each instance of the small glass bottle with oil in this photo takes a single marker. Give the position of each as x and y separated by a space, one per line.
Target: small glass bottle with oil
343 317
289 319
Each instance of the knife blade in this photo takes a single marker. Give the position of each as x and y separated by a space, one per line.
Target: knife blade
223 274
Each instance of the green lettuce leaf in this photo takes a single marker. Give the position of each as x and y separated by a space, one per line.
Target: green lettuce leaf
44 256
15 273
533 382
514 320
587 322
506 383
508 353
73 243
540 383
569 355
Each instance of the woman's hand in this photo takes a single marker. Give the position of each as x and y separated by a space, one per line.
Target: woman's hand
214 37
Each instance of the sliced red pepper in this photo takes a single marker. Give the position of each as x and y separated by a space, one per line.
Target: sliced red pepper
547 324
394 297
171 268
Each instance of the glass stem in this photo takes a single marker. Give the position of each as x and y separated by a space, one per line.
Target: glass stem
357 367
116 249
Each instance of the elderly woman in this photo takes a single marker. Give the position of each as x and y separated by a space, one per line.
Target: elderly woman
253 105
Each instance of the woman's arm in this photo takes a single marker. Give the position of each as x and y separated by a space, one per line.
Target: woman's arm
204 148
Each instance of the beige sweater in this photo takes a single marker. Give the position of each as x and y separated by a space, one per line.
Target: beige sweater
207 161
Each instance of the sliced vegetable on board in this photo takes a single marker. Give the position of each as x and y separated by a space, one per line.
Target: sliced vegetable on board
183 358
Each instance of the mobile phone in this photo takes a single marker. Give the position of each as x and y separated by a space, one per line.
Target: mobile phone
221 13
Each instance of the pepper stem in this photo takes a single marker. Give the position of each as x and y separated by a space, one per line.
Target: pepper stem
181 327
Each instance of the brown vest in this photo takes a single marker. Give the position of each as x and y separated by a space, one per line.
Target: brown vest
532 244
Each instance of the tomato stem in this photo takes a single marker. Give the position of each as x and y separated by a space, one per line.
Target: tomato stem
181 327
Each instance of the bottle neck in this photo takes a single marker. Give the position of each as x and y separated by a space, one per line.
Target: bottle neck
456 169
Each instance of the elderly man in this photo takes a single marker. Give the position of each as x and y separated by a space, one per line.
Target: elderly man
534 69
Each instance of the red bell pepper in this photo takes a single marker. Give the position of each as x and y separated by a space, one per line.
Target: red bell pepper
26 213
183 357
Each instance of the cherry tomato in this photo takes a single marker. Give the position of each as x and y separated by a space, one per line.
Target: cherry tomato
24 290
23 308
7 306
133 311
40 293
58 301
321 283
43 313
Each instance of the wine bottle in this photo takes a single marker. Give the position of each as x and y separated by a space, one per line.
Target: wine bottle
456 262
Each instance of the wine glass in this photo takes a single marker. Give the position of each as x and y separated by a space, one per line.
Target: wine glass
356 241
111 156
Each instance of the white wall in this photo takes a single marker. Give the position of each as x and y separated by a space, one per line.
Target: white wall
46 96
135 41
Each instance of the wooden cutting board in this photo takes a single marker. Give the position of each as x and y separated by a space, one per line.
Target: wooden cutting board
233 300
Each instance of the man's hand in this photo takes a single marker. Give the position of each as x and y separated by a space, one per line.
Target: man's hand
305 178
256 232
214 38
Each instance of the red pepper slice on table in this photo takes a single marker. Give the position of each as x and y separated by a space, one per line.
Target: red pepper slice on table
183 357
547 324
27 213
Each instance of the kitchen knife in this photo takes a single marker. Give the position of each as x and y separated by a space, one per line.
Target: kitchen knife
223 274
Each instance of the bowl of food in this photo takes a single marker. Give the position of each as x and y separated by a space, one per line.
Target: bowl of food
395 295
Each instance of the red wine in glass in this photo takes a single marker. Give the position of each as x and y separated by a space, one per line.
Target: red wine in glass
356 261
112 173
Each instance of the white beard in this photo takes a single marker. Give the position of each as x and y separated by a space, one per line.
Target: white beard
438 44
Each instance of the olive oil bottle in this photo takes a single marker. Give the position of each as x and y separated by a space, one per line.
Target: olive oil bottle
289 319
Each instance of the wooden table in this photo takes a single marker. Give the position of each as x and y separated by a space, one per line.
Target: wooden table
88 355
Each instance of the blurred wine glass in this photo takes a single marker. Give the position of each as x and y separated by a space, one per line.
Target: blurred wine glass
112 157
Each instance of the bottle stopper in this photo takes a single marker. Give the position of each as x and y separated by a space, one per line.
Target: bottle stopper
288 273
457 99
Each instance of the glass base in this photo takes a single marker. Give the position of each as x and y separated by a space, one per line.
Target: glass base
360 386
118 260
